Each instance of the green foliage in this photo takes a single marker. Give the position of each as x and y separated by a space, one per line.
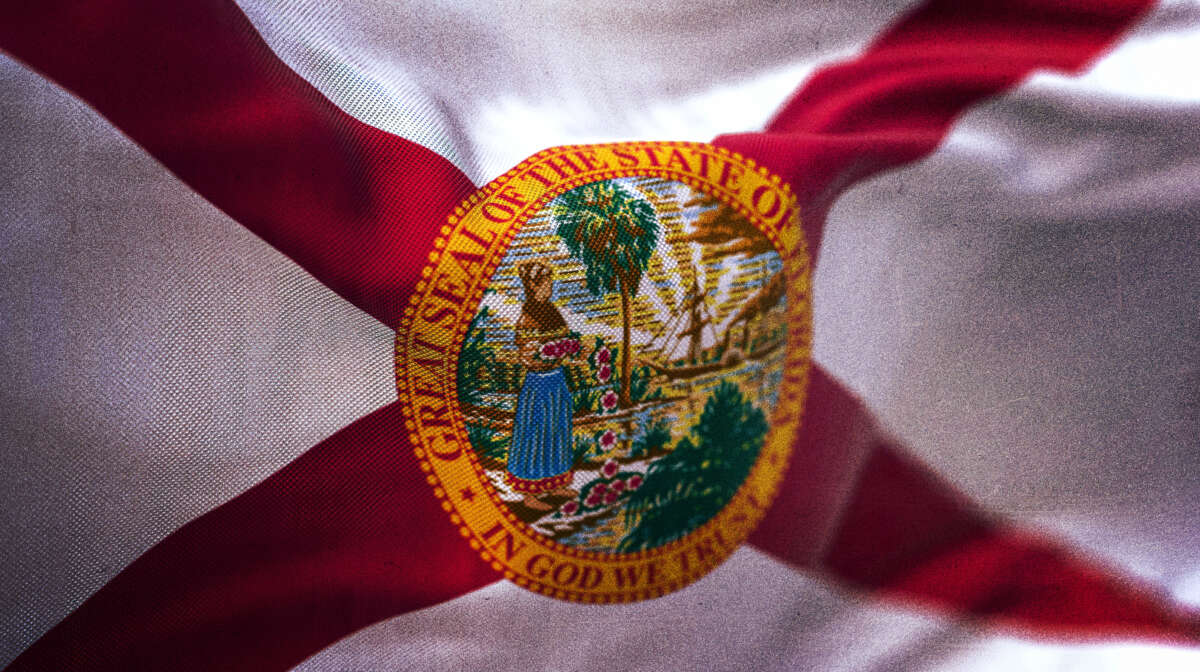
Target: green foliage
687 487
486 442
577 377
655 435
476 362
476 375
502 376
581 449
586 400
639 385
611 230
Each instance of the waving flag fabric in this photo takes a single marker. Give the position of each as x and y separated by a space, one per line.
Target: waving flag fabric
209 233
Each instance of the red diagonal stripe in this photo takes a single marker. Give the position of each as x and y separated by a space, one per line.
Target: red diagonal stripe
352 205
902 531
195 85
857 508
345 536
895 103
940 550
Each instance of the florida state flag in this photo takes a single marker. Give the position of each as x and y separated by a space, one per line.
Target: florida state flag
581 336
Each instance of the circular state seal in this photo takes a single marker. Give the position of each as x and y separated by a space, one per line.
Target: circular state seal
605 362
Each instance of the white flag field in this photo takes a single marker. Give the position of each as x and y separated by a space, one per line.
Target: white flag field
1008 303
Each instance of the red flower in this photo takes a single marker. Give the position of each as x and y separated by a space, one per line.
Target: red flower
611 497
570 507
570 346
609 469
603 355
599 489
609 400
604 373
549 350
608 438
592 500
634 482
618 485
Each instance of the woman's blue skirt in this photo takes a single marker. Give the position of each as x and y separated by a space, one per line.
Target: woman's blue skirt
541 439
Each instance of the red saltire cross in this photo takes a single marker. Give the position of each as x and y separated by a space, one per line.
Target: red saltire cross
324 546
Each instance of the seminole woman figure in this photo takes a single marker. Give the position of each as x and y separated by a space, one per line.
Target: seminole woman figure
541 455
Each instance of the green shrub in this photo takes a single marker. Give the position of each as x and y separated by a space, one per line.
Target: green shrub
487 443
639 385
655 435
476 362
687 487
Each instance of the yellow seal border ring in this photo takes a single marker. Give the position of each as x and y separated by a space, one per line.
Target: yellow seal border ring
434 324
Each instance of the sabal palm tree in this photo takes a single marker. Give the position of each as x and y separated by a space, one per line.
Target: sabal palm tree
613 231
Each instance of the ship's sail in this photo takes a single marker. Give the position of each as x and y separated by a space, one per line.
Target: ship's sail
684 330
721 232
